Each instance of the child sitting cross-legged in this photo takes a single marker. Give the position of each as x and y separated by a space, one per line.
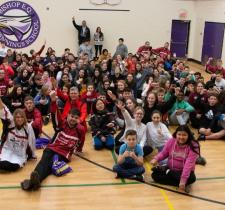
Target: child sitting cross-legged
130 160
182 152
102 126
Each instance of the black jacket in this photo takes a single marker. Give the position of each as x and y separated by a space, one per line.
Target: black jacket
82 37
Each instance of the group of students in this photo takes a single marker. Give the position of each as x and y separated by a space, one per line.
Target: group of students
129 102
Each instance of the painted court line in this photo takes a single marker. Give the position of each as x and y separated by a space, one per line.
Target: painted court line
169 204
73 185
166 198
115 160
161 187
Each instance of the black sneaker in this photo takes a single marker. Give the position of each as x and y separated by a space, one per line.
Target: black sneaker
139 178
26 185
201 161
35 180
160 168
46 120
201 137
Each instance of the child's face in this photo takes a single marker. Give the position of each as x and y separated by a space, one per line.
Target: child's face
151 99
100 105
130 105
19 91
127 94
65 90
19 120
90 88
131 141
180 96
102 97
120 86
181 137
160 97
156 118
212 100
138 115
199 87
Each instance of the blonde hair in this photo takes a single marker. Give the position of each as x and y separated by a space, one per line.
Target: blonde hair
22 113
139 108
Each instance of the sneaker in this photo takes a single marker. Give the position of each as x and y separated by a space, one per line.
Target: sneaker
188 188
159 168
26 185
35 180
201 137
46 120
201 161
139 178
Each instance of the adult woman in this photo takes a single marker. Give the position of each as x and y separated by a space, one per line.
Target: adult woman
98 41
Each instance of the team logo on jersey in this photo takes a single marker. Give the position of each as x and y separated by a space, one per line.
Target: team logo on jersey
19 24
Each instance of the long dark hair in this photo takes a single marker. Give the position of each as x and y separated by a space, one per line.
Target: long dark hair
100 32
194 145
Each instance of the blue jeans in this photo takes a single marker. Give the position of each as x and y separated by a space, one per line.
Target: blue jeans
99 144
128 168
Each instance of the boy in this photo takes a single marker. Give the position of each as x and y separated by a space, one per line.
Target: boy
130 160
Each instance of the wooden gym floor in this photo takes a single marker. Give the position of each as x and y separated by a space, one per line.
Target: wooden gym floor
92 185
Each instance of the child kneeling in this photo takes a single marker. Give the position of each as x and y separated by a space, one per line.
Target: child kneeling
130 160
182 152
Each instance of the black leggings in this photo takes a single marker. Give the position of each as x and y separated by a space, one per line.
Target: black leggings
171 178
44 166
98 47
7 166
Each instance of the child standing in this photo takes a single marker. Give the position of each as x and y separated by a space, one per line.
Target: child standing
102 126
130 160
182 152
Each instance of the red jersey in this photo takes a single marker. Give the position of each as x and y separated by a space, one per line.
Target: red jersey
162 52
68 140
36 119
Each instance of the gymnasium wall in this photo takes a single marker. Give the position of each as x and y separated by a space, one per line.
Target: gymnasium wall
212 11
147 20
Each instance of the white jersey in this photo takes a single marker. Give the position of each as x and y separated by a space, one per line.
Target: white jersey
17 141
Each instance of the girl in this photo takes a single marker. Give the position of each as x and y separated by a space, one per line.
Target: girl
98 41
16 140
102 126
23 80
182 152
157 132
16 98
134 124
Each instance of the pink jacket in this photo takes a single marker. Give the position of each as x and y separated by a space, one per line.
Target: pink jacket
180 158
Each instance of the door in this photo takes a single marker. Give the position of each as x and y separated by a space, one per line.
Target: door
212 41
180 38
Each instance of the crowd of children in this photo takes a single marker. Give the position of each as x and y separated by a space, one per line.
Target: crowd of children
129 101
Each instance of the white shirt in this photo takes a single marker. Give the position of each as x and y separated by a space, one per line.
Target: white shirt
17 141
154 138
131 124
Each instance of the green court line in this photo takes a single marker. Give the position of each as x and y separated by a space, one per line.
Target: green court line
74 185
210 178
115 160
